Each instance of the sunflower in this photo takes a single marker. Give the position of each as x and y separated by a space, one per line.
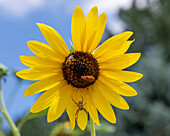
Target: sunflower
86 80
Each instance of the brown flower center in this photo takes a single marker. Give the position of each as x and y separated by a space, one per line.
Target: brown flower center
80 69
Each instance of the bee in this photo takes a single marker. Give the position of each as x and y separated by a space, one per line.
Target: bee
88 78
69 59
80 107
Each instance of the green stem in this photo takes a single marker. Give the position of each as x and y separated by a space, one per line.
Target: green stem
93 133
4 111
22 123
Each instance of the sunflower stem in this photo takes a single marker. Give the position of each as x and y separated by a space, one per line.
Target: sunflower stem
93 133
4 111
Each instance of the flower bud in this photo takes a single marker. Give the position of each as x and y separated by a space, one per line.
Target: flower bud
3 70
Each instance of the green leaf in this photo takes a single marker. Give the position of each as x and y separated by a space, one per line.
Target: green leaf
32 116
72 48
35 115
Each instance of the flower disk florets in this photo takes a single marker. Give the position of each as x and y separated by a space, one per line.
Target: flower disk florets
78 67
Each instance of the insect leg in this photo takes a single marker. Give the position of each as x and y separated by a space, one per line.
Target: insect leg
74 101
82 99
85 111
76 115
85 104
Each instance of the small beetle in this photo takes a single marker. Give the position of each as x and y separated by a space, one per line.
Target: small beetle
80 107
88 78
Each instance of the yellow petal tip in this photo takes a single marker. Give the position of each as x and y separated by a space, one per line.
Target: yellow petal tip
104 15
25 94
127 108
29 42
18 74
135 93
32 110
21 57
98 124
140 76
38 23
78 7
95 8
139 55
128 33
49 120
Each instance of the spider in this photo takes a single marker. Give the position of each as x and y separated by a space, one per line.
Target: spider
80 107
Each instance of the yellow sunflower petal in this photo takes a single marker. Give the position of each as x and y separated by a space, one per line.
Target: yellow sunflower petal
119 62
34 61
112 44
111 96
44 50
45 100
42 85
121 50
91 25
113 52
71 111
82 115
125 76
54 39
34 74
92 109
77 27
82 119
99 32
118 86
103 106
59 104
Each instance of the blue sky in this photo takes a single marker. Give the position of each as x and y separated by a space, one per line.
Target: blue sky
18 20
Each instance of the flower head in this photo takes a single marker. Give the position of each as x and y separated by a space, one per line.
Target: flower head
85 81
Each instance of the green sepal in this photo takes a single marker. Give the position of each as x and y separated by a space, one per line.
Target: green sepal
36 115
72 48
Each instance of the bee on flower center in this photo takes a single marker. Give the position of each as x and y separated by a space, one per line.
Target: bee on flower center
68 61
71 58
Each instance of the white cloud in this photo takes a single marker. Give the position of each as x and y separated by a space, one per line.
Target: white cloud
19 7
22 8
109 6
141 4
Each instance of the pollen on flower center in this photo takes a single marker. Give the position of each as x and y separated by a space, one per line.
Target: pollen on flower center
80 69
